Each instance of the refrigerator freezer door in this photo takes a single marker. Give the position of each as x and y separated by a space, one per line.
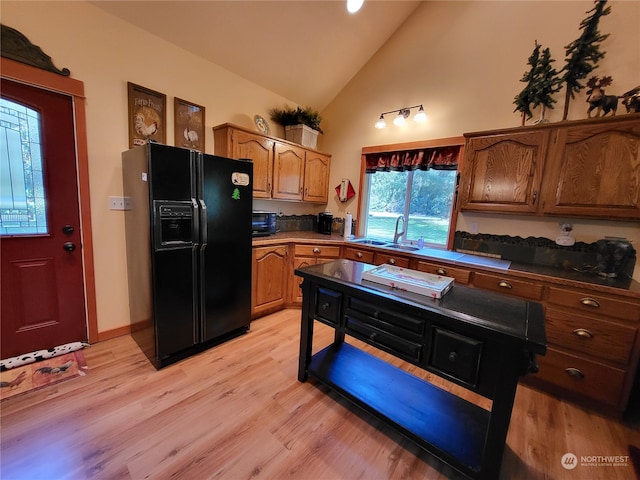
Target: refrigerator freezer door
226 189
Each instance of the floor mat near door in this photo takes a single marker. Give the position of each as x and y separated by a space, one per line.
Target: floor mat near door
34 376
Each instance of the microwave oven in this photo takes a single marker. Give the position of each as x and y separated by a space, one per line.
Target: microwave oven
263 223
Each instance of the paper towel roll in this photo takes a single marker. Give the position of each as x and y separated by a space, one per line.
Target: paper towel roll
347 225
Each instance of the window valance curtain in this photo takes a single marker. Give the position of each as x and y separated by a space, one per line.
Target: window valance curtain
439 158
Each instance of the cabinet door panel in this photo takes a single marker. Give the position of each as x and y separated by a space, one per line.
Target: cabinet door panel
270 267
316 177
288 172
503 173
596 171
260 150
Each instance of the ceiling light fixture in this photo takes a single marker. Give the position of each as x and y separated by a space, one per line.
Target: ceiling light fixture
403 114
354 5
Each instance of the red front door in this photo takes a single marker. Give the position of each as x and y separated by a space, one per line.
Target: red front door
42 288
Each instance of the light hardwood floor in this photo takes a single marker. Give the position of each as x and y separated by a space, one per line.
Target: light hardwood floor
237 411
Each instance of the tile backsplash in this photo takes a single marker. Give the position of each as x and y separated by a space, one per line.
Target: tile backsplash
583 257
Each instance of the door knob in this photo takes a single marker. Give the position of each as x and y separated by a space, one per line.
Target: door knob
69 246
68 229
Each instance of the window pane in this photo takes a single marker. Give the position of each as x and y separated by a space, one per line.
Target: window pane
430 206
387 193
22 196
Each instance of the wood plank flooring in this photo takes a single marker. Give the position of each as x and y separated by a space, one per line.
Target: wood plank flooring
237 411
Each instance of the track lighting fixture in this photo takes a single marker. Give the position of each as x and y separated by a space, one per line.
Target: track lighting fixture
403 114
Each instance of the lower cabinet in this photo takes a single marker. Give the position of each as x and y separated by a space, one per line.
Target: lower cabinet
306 255
269 283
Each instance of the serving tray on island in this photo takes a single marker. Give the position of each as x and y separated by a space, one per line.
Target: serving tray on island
434 286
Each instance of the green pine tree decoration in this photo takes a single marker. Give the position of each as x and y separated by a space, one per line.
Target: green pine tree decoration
584 53
542 82
524 99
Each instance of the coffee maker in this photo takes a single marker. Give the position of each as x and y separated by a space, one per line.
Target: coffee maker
325 223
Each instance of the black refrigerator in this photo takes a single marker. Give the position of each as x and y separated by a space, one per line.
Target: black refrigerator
188 242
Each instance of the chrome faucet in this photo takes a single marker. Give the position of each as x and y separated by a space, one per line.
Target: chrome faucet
397 235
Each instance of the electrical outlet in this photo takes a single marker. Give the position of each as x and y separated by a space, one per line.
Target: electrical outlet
119 203
473 228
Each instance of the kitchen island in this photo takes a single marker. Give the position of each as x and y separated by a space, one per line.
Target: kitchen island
482 341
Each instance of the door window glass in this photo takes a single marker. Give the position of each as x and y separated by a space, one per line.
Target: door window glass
22 196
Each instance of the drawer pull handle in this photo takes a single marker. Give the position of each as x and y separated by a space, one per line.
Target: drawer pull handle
359 254
504 284
453 356
583 332
325 306
316 250
441 271
590 302
391 261
574 372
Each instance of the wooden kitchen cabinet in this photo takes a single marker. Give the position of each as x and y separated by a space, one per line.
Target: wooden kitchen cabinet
502 172
593 348
460 275
391 258
270 275
594 170
316 177
307 255
282 170
583 168
358 254
288 172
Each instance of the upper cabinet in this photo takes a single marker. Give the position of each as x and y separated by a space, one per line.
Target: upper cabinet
282 170
502 172
586 168
594 170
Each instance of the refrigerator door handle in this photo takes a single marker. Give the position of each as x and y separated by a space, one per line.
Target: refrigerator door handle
203 223
198 300
195 223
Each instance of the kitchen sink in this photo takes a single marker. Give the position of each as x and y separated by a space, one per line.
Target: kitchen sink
369 241
398 246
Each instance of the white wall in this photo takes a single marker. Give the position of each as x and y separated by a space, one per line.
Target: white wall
464 60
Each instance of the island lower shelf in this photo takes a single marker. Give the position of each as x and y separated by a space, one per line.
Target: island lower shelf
448 426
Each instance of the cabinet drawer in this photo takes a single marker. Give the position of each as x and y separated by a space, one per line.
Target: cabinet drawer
328 305
358 255
610 341
456 355
461 276
399 261
581 376
406 349
596 304
317 251
509 286
395 323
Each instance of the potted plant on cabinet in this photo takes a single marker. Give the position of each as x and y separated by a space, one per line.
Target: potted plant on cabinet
301 125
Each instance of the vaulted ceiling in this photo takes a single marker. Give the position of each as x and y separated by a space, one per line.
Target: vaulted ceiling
306 51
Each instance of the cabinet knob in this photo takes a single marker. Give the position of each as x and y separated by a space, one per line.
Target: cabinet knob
574 372
391 261
375 314
504 284
325 306
359 254
583 333
590 302
373 336
441 271
316 250
453 356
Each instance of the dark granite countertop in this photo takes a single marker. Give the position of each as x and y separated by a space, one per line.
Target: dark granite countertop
620 285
